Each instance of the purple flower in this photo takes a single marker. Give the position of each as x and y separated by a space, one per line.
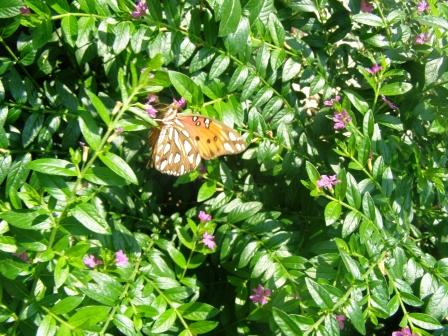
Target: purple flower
374 69
152 112
403 332
204 217
422 38
179 104
422 6
332 101
22 256
119 130
152 98
327 182
389 103
25 10
208 240
366 6
140 9
260 295
91 261
120 258
341 321
341 119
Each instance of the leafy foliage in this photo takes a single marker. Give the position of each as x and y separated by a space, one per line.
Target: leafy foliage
350 88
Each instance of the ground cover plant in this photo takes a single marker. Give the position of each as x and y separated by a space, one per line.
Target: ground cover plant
332 221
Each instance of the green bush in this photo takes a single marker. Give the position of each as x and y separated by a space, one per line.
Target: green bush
333 221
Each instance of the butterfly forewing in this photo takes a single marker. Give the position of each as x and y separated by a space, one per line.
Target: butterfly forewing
183 140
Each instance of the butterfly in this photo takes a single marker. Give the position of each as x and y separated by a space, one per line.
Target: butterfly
183 140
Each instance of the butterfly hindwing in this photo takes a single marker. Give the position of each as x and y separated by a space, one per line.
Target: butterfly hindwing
174 152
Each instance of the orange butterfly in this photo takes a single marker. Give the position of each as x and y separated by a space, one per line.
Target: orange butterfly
183 140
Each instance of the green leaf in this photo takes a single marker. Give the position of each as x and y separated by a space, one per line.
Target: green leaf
89 217
9 8
5 164
368 19
102 110
332 212
351 264
60 272
286 324
247 253
207 190
124 324
197 311
105 290
47 327
312 172
353 194
354 313
243 211
238 78
89 316
8 244
119 166
122 35
230 13
200 60
220 64
89 129
290 70
319 294
17 175
53 167
164 321
201 327
351 223
424 321
104 176
66 305
394 89
32 127
358 101
433 21
276 30
186 87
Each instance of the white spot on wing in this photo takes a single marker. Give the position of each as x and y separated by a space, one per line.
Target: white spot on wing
182 170
185 132
176 139
227 147
198 159
163 165
187 147
232 136
191 158
177 158
166 148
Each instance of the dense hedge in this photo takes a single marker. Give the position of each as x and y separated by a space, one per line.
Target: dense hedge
333 221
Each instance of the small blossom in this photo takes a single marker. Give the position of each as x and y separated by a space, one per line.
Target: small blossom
121 258
332 101
152 112
422 6
22 256
204 217
341 119
366 6
152 98
422 38
260 295
403 332
119 130
180 104
327 182
341 321
208 240
389 103
374 69
140 9
91 261
25 10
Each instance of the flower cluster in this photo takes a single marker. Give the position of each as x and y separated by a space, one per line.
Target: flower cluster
404 332
179 104
341 119
327 182
422 6
366 6
332 101
140 9
149 108
91 261
260 295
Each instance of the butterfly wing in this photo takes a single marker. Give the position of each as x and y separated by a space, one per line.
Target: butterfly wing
174 152
212 137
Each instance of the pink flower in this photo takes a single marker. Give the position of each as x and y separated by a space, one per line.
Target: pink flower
341 321
25 10
389 103
366 7
152 112
332 101
422 38
179 104
204 217
374 69
404 332
22 256
422 6
208 240
327 182
152 98
341 119
260 295
140 9
91 261
119 130
120 258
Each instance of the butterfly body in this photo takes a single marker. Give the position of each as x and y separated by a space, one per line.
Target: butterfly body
184 139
